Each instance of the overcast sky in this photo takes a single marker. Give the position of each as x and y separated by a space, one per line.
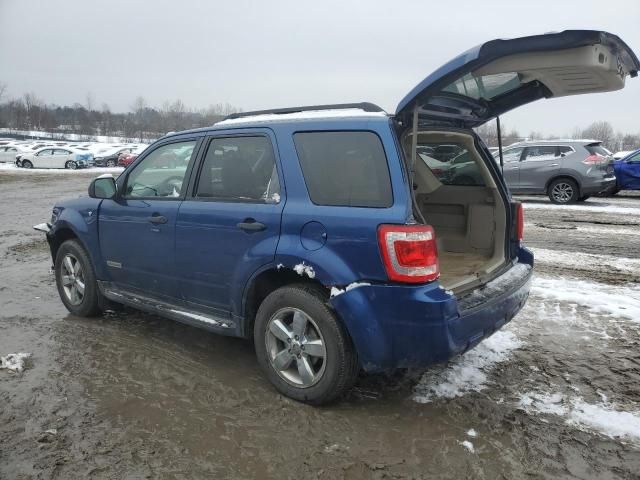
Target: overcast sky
264 54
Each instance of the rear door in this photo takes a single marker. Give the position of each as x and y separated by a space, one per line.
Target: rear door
229 226
539 164
500 75
137 230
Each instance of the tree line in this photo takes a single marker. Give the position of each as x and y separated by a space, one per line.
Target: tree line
143 122
600 130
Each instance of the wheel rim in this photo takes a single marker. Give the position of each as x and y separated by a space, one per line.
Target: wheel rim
72 279
111 163
562 192
71 165
296 347
26 164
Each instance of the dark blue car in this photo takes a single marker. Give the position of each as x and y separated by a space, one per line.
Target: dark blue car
627 172
332 236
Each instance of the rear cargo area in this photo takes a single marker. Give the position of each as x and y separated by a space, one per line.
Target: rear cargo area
458 197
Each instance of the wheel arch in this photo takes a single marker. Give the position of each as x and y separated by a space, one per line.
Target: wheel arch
262 284
561 176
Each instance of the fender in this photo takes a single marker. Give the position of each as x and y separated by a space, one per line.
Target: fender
81 217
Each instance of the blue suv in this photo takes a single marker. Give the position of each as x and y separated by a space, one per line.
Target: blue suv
332 236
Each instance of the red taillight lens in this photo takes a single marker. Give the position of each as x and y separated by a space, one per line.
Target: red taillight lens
519 221
593 160
409 252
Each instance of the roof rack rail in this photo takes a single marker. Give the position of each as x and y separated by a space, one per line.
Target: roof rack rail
366 106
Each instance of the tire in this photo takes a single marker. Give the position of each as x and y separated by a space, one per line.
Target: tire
73 269
71 165
26 164
328 372
584 197
111 163
563 191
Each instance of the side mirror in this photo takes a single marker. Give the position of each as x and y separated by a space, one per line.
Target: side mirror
103 187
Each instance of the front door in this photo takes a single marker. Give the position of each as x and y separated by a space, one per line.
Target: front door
539 164
230 224
628 172
137 229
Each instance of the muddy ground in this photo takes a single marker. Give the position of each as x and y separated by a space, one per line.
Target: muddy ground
137 396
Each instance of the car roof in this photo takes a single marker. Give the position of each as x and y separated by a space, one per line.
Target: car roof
334 113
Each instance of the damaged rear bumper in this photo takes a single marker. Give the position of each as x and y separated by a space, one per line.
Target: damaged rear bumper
401 326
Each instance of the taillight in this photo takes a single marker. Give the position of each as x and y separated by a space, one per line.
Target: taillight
593 160
519 221
409 252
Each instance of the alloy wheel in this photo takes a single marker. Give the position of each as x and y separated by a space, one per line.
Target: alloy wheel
296 347
73 282
562 192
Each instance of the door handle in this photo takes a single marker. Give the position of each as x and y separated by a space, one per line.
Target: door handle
554 164
250 225
157 219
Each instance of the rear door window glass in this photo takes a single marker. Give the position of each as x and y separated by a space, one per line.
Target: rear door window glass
541 153
239 169
451 163
344 168
565 150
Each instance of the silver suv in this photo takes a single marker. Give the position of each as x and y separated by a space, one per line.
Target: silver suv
567 171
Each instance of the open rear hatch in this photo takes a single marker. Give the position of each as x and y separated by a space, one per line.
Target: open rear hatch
456 185
500 75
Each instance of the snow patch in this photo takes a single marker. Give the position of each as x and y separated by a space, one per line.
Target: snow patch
14 361
302 269
585 261
472 433
279 266
600 417
467 373
616 301
468 445
582 208
335 291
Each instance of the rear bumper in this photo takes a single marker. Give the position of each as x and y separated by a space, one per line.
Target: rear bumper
399 326
604 185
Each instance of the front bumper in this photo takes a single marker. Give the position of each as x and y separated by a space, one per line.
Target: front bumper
400 326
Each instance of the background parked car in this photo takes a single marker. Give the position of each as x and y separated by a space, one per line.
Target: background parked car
56 158
567 171
627 172
8 153
109 157
126 159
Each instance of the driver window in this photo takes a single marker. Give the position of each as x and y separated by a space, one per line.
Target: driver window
161 173
635 158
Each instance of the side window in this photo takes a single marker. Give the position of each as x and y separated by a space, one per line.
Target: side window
511 155
540 153
239 169
344 168
61 152
45 152
564 151
161 173
635 158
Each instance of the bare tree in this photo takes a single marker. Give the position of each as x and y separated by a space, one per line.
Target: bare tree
3 90
602 131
